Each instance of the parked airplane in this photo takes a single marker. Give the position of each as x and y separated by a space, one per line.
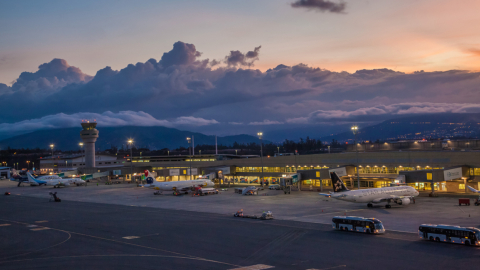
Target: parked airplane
176 186
54 180
401 195
473 190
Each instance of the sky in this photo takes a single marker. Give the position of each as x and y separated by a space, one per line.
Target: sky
230 67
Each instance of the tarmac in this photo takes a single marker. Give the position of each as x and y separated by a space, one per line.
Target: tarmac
37 234
303 206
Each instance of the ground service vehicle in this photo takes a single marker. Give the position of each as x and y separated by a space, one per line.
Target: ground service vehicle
358 224
276 187
450 234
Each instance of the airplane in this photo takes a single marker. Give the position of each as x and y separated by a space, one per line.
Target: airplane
473 190
54 180
175 186
401 195
16 177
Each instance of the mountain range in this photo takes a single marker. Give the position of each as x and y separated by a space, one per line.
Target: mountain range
154 138
417 127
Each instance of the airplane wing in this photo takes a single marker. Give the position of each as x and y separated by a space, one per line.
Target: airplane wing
326 195
473 190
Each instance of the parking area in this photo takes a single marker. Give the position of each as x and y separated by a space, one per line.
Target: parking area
301 206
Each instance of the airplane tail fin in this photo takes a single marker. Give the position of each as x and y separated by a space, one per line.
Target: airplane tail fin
31 179
338 185
473 190
149 177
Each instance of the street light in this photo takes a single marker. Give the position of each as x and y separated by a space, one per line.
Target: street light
189 147
130 142
28 165
51 146
236 152
278 147
355 131
260 136
81 147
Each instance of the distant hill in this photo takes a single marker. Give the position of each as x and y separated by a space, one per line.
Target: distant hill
154 138
417 127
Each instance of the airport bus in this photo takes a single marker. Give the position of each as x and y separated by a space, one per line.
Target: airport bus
450 234
358 224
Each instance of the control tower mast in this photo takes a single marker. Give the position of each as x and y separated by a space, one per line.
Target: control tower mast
89 136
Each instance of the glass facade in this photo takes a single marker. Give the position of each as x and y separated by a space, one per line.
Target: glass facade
392 170
288 169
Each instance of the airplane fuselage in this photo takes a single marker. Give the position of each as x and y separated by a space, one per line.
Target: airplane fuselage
178 185
370 195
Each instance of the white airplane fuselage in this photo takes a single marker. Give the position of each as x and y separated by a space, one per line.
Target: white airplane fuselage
178 185
370 195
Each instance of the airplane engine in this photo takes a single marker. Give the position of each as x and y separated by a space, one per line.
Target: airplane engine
404 201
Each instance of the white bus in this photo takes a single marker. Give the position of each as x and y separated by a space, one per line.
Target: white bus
450 234
358 224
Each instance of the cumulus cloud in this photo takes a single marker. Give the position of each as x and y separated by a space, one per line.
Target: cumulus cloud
50 76
181 54
236 58
182 84
106 119
265 123
321 5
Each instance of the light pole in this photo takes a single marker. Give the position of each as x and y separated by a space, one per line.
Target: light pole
168 153
81 147
278 147
236 153
328 149
51 146
199 152
355 131
28 165
130 142
33 166
260 135
189 147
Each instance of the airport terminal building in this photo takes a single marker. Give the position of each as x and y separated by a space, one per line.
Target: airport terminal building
449 171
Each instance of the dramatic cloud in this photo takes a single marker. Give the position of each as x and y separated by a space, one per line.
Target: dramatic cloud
238 58
182 54
106 119
50 76
320 5
184 89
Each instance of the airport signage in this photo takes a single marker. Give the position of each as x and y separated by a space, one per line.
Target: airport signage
174 171
225 170
452 174
194 171
340 171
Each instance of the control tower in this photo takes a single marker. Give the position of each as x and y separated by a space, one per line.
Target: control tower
89 136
